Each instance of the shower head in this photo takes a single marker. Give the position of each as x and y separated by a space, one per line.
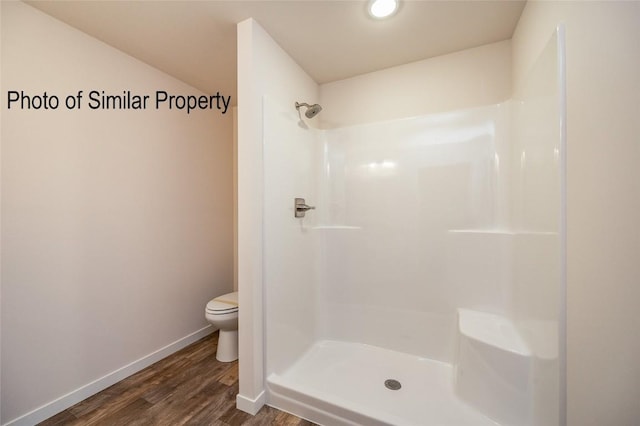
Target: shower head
312 110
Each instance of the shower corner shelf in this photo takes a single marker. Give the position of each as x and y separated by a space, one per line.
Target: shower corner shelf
336 227
501 232
481 231
493 359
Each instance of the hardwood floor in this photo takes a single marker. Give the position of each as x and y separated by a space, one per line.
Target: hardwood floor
189 387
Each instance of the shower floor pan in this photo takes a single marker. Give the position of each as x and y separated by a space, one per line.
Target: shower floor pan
341 383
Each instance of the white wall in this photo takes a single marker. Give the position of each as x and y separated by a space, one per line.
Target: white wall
466 79
264 69
603 199
116 225
290 244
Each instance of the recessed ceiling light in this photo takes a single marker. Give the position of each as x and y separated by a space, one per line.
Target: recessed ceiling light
380 9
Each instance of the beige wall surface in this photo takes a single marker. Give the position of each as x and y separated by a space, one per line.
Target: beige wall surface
469 78
603 199
116 225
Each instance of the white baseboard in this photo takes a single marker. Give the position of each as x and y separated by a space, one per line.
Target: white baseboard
54 407
248 405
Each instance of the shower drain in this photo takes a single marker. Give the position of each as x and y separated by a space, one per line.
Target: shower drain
392 384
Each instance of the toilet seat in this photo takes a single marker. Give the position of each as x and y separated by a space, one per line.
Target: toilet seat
227 312
225 304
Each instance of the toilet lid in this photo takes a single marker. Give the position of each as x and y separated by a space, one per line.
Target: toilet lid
225 303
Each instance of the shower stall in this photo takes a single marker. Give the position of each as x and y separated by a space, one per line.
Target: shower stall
426 287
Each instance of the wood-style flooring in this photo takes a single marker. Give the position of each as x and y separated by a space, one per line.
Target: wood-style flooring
189 387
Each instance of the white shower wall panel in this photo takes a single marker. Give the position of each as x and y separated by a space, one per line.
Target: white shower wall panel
291 246
401 186
480 270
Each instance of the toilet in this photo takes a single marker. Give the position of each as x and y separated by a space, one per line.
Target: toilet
222 313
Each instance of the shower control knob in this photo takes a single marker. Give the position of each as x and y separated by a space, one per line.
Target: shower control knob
300 207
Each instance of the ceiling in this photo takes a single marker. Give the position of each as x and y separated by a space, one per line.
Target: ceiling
195 41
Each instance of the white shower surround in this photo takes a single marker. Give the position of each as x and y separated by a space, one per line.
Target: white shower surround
325 278
416 218
435 192
399 241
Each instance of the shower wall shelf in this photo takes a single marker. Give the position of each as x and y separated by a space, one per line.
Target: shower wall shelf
481 231
336 227
500 232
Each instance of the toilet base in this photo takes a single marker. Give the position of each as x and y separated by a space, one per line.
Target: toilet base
227 346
